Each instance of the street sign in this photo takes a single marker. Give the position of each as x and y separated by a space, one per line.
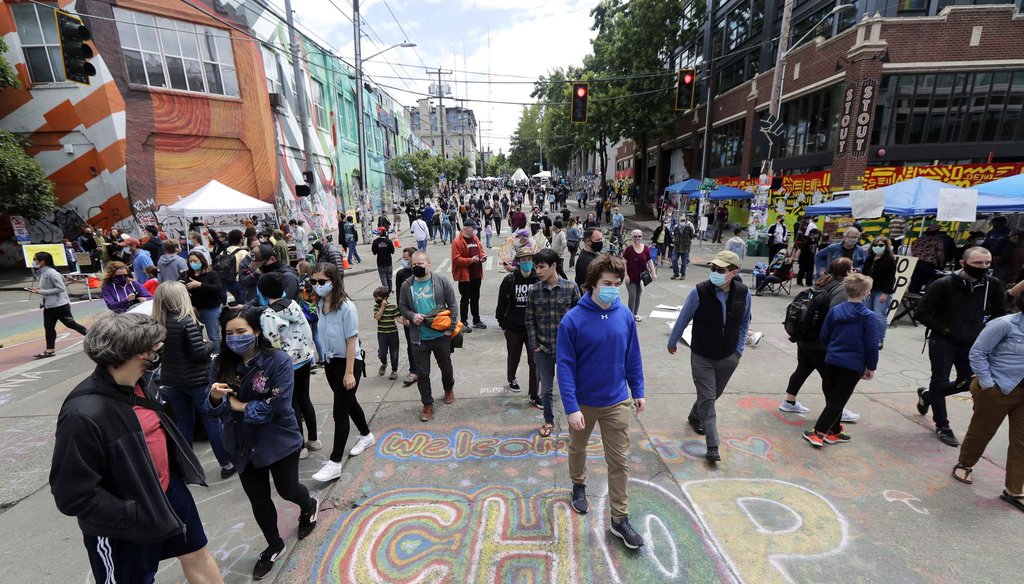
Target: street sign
708 184
764 181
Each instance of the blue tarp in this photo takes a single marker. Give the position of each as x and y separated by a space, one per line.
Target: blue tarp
688 186
918 197
1011 186
730 193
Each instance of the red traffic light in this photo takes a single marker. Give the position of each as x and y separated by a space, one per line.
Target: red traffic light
688 78
581 91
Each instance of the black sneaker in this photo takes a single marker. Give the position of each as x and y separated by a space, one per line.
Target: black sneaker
695 424
712 455
922 400
536 401
307 521
266 562
947 437
479 325
627 534
227 471
514 385
465 328
579 498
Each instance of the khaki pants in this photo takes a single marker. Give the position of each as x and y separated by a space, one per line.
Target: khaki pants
991 406
614 422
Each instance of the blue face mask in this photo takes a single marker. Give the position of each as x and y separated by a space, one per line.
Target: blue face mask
323 290
405 263
261 298
608 294
717 279
196 266
241 344
526 266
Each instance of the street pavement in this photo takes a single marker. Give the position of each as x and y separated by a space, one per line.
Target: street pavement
476 496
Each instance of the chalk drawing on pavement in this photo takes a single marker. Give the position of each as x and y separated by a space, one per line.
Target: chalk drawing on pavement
465 444
907 499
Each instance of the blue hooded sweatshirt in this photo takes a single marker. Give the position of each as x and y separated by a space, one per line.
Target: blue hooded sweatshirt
851 334
598 353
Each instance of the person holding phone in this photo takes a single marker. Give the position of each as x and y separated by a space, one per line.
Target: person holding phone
204 286
120 292
251 392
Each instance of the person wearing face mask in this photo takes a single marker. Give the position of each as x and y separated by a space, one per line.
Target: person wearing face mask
55 302
403 274
638 260
468 257
383 248
120 292
720 311
881 267
847 248
204 287
955 308
593 243
511 313
424 294
251 392
600 368
265 261
120 465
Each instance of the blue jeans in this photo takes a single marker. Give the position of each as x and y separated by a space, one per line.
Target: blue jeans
487 238
316 342
351 245
546 374
875 304
211 320
186 403
679 267
449 232
421 244
237 291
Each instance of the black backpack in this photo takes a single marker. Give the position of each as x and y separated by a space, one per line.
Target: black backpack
806 314
226 267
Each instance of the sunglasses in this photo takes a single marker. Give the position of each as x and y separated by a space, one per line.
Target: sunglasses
321 282
718 270
638 237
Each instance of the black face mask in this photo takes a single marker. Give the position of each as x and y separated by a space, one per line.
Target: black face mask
596 245
975 272
419 271
154 362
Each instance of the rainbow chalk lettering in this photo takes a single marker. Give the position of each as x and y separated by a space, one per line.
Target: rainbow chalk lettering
464 444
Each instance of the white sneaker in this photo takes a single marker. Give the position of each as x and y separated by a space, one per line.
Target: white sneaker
362 444
304 453
330 471
797 408
756 338
849 416
314 445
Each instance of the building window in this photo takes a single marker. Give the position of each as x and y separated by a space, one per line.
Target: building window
319 111
805 20
272 69
727 144
945 108
810 122
944 3
40 43
738 71
160 52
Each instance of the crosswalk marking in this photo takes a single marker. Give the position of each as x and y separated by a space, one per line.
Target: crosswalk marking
489 264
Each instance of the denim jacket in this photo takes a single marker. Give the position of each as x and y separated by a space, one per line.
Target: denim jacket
997 357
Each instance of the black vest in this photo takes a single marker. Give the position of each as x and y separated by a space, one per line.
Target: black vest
718 340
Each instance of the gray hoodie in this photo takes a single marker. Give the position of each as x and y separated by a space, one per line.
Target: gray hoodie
170 266
52 288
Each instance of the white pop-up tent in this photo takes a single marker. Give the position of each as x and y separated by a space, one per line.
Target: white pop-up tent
543 174
216 198
519 176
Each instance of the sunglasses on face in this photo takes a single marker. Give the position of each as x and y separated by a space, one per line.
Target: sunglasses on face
718 270
638 237
321 282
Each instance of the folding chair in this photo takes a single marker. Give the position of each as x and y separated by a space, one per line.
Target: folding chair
783 286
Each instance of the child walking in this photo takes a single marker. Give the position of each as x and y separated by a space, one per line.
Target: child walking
386 315
851 332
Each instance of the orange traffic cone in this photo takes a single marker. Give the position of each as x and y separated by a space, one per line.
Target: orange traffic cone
398 244
344 264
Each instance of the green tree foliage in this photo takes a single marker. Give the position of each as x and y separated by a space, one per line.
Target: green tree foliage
499 165
8 76
525 141
418 171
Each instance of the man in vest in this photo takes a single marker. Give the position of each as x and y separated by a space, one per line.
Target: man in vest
720 311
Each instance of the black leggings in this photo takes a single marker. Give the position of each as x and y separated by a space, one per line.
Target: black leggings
303 406
841 382
60 314
345 404
256 484
807 361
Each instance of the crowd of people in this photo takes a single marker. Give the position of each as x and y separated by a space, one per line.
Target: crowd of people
241 369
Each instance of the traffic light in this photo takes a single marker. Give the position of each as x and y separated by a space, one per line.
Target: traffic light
73 47
580 95
686 81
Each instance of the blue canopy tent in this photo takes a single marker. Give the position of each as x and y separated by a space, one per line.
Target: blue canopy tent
919 197
1011 186
724 193
687 187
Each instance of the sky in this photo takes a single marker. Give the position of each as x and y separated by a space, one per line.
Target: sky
513 41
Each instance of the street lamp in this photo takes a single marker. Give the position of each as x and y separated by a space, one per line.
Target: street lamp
405 45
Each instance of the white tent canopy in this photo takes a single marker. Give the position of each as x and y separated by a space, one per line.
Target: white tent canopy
519 175
543 174
218 199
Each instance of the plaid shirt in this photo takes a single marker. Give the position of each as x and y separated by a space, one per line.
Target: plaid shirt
545 307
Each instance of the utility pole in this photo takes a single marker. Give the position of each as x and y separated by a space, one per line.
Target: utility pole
440 107
780 66
300 96
364 179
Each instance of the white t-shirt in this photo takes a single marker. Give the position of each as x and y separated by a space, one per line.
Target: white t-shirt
419 230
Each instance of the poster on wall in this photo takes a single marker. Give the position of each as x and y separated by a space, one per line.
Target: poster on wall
759 211
20 227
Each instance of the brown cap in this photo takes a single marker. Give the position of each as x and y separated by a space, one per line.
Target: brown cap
724 259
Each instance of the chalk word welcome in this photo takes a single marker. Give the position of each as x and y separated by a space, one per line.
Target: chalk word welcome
464 444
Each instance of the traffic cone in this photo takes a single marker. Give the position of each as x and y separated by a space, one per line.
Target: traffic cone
398 244
344 264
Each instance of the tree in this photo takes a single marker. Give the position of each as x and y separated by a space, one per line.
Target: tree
418 170
24 188
525 152
499 165
455 169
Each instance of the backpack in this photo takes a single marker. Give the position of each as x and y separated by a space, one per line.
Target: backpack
806 314
226 267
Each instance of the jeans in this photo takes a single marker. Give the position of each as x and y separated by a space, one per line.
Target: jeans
634 290
316 341
546 375
187 402
710 376
345 404
469 300
421 244
387 344
385 277
679 262
256 484
409 351
441 349
62 314
449 232
841 382
350 243
515 342
487 238
614 421
237 291
808 359
573 248
211 320
302 405
876 305
944 355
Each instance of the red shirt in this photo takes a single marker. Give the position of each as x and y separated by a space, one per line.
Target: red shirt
151 285
156 439
636 263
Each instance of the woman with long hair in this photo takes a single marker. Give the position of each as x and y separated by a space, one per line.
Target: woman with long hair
55 302
120 290
185 368
204 286
252 395
345 364
881 266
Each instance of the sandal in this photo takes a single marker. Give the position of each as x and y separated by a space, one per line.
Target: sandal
966 478
1015 500
44 355
545 430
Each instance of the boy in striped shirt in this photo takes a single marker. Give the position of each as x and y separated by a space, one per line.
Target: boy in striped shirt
386 315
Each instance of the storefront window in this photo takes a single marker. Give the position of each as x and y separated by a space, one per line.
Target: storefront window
727 144
809 122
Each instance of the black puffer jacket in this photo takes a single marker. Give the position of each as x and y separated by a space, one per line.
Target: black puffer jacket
186 357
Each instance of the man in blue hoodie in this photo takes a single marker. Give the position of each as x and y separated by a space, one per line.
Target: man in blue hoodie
599 365
140 258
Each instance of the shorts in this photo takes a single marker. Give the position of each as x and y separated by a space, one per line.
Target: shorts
119 560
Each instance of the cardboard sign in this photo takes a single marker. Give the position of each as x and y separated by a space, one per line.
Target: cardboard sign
867 204
54 249
904 270
957 205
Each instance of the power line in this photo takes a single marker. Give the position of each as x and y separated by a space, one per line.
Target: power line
405 34
550 103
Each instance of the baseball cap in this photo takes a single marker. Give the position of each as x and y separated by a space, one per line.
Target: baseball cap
473 224
129 242
724 259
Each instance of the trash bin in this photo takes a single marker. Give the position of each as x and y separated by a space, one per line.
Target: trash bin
751 247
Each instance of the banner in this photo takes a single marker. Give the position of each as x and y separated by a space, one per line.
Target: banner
904 270
957 205
867 204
